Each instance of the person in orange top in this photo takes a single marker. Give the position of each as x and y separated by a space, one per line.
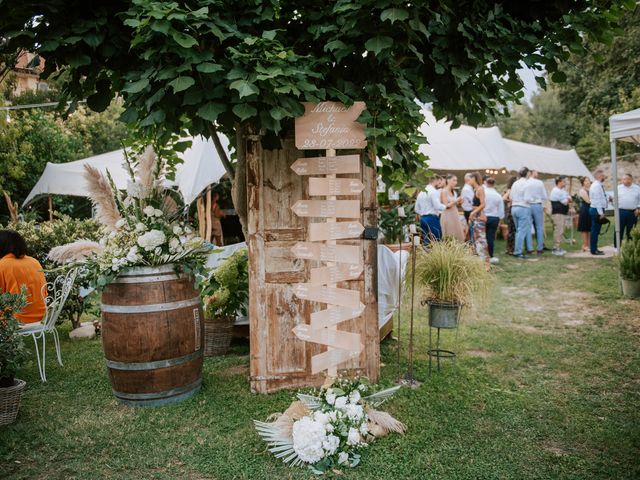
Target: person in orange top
18 269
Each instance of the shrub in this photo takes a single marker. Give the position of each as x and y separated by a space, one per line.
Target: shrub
392 225
629 259
226 291
12 350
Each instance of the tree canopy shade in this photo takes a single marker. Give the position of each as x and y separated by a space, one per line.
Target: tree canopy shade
230 64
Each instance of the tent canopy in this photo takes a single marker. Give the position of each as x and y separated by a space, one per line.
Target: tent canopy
201 167
625 126
467 148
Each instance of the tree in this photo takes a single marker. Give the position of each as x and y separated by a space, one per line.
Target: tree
242 67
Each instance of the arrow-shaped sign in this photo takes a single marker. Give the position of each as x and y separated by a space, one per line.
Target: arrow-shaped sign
327 208
333 296
334 274
335 315
328 253
334 230
331 358
327 165
334 186
331 338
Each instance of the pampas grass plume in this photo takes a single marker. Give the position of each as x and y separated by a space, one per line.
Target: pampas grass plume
102 197
77 251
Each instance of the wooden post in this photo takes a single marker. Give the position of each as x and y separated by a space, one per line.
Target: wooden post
208 214
50 208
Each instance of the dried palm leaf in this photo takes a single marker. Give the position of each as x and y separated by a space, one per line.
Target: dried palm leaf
309 401
385 421
169 206
378 398
146 171
76 251
102 197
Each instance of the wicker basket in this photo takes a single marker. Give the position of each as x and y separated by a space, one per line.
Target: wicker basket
217 335
10 398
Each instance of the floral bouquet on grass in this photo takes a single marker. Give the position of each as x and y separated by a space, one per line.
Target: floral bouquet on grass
141 228
327 428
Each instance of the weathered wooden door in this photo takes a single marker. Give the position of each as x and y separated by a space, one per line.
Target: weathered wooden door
278 358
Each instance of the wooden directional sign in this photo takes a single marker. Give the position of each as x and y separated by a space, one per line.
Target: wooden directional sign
327 208
334 274
327 253
330 125
330 295
334 186
331 358
334 230
325 336
327 165
335 315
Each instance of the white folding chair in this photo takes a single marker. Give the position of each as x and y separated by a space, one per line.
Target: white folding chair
55 294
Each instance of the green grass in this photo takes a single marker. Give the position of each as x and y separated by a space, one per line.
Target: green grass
545 387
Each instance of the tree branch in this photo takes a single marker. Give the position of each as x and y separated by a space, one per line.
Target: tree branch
224 158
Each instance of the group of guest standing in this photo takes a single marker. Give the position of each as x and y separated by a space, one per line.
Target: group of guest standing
521 206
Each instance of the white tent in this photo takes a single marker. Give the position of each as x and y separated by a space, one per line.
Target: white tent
467 148
201 167
550 161
625 127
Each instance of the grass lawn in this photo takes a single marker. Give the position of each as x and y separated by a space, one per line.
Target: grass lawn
546 387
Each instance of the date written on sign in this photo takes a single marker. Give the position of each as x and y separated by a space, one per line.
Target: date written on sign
350 254
334 186
327 165
335 315
334 231
334 296
327 208
334 274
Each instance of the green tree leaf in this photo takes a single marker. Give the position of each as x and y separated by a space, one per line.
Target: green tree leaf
244 111
394 14
181 83
137 86
244 88
379 43
184 40
211 110
209 67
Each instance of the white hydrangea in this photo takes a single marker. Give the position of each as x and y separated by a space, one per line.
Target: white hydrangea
331 444
354 412
133 256
140 227
341 403
364 428
308 437
158 213
330 397
149 211
354 397
343 457
151 240
321 417
353 438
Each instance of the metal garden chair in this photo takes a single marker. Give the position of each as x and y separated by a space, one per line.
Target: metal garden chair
55 295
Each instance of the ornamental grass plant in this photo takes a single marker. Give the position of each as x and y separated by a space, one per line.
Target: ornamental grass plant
629 258
447 271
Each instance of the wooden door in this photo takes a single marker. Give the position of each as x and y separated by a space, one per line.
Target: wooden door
278 358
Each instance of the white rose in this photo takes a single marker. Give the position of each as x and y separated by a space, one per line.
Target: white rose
364 428
331 398
151 240
188 231
331 444
333 416
174 243
354 397
121 223
321 417
158 213
149 211
329 427
343 457
354 412
354 436
132 255
308 437
341 403
140 227
177 230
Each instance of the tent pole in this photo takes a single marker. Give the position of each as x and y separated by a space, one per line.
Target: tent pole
50 208
616 210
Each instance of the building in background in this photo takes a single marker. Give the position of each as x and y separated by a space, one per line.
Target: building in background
27 74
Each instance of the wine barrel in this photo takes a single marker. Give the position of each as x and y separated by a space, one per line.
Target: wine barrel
152 335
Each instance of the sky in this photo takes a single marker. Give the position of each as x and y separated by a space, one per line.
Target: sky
530 84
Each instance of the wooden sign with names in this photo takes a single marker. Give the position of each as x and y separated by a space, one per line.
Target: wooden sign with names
334 186
334 274
331 295
327 165
330 125
334 231
327 208
327 253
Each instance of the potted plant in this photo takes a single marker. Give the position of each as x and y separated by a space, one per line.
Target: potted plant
450 277
629 262
13 354
225 292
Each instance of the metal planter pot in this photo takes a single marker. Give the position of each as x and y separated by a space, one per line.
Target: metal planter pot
443 314
631 288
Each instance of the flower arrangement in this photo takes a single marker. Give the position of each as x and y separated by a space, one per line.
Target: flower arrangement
328 428
141 228
12 350
225 289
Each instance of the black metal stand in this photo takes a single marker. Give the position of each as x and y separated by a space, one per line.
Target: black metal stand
438 352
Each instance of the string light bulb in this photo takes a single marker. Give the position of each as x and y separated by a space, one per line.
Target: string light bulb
8 117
